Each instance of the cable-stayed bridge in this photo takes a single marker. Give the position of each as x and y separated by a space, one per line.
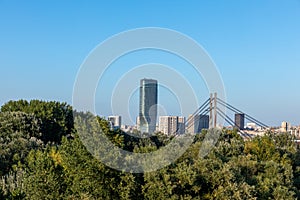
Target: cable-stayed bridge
215 107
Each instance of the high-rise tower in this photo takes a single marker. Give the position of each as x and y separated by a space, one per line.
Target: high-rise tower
239 119
197 122
148 105
172 124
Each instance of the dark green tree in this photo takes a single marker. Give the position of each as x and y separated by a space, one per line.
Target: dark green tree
56 118
18 135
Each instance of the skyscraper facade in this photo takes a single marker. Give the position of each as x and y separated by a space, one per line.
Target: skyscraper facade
148 105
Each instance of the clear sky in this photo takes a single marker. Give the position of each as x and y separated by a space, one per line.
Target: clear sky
254 43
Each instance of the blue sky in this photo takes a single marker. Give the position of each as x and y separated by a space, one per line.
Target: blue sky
254 43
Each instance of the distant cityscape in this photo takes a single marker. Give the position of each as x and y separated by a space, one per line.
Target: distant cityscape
146 121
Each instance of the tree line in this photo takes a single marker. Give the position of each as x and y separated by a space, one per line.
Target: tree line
43 157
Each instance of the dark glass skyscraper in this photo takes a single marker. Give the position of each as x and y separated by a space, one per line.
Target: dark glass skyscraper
239 119
148 105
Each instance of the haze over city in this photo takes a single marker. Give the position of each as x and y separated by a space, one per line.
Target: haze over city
254 44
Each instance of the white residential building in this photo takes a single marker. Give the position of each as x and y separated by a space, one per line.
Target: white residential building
171 124
115 121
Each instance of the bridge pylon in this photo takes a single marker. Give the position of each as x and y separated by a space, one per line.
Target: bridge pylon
213 110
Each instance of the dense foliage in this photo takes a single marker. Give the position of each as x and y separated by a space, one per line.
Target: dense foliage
38 161
56 119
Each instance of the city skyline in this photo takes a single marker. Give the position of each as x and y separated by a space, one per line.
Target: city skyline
255 45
